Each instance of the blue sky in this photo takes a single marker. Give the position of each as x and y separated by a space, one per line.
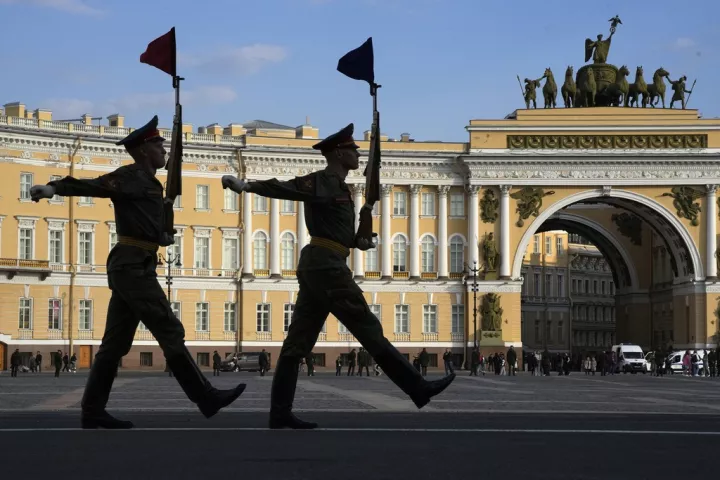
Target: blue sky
441 62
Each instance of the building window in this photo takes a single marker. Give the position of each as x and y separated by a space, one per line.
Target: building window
260 251
260 204
56 197
230 316
457 319
287 251
231 200
399 254
559 247
203 359
602 287
538 338
428 254
85 315
430 319
178 202
54 314
85 200
402 318
371 259
536 244
231 253
85 254
342 328
142 327
114 240
548 332
25 314
560 331
175 307
202 252
202 316
26 244
26 182
595 287
262 315
548 285
457 254
428 204
287 206
201 197
536 283
399 203
376 309
560 286
146 359
288 310
56 248
457 205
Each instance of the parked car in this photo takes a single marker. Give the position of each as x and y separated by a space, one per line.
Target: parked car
241 362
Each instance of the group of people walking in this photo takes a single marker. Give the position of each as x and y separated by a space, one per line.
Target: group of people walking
33 363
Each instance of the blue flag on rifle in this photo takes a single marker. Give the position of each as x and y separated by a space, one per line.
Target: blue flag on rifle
359 64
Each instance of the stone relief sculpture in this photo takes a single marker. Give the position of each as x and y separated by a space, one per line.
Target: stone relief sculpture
491 312
529 202
489 206
629 226
685 204
490 253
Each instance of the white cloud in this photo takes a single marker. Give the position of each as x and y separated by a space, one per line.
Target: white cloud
79 7
244 60
683 42
69 108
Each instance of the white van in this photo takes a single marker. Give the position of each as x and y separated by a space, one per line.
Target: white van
629 358
676 361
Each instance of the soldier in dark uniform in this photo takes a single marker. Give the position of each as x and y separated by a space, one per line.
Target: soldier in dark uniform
326 283
57 362
137 196
216 363
15 361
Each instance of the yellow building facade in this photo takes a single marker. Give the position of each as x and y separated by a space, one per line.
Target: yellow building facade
535 171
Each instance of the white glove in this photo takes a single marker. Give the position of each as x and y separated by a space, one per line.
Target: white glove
234 183
39 192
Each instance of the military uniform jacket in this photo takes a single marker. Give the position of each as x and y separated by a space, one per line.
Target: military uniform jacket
137 198
329 208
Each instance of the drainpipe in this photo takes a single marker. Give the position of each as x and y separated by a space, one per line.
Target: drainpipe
238 274
71 228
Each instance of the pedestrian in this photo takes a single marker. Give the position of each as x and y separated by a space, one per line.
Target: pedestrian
73 363
65 362
31 363
310 362
326 282
448 362
424 359
264 362
351 362
338 366
57 362
512 361
38 362
216 363
15 361
137 197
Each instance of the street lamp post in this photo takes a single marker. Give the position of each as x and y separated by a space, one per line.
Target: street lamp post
474 287
170 261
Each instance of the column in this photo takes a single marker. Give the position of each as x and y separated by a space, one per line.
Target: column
302 233
386 249
473 224
505 231
415 232
247 235
358 264
442 231
711 231
275 238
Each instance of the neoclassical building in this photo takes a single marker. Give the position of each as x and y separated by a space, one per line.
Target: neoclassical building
234 287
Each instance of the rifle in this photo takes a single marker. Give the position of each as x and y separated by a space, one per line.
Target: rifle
173 187
359 65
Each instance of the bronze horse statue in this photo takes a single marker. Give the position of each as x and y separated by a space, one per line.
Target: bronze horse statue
656 90
569 89
616 93
549 89
636 89
587 90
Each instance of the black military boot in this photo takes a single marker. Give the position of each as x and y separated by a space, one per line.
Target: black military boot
198 389
282 395
408 379
95 398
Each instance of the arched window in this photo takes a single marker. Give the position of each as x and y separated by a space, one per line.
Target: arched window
260 251
400 254
457 254
287 251
428 254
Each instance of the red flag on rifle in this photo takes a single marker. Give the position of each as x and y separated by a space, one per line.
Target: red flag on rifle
161 53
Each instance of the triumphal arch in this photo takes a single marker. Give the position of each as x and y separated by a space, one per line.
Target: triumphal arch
621 166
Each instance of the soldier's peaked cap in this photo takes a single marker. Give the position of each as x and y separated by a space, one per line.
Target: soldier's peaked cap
341 139
147 132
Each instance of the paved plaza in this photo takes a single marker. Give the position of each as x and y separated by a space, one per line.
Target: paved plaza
550 427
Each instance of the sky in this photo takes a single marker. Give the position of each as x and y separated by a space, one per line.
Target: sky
441 63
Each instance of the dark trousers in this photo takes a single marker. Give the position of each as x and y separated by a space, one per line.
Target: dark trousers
216 371
14 370
423 369
57 370
338 370
136 294
332 290
39 368
449 367
65 367
263 370
351 369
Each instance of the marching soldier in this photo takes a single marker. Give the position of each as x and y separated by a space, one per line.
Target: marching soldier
326 283
136 294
